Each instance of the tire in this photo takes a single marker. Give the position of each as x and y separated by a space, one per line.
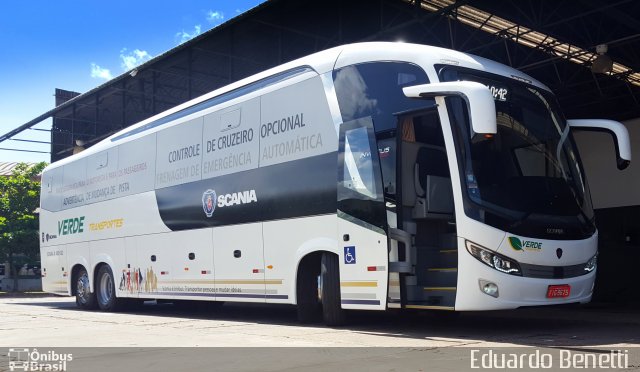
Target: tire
85 299
332 312
308 302
106 291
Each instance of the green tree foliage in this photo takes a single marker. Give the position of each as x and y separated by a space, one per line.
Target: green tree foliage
19 200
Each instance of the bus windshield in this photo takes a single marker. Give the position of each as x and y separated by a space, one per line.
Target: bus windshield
527 179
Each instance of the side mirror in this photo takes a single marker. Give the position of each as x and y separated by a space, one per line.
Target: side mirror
616 129
482 109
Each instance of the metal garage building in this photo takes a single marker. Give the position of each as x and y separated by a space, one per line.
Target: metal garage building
559 43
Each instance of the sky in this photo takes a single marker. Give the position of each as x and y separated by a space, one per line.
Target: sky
77 45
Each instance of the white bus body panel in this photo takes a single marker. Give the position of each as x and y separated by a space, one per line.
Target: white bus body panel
361 288
192 264
54 263
286 242
239 278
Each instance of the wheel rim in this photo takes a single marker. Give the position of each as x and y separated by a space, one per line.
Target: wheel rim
82 288
106 289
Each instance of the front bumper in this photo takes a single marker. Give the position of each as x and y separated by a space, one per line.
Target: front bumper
514 291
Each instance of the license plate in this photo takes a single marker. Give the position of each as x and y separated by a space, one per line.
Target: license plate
558 291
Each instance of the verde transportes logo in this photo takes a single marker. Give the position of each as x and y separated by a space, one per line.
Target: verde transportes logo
521 245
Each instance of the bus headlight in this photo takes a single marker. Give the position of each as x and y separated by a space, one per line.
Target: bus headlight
591 264
494 260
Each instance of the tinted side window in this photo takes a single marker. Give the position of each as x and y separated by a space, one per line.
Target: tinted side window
375 89
359 181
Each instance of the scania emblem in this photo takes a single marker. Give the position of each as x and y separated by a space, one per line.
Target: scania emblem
209 202
559 253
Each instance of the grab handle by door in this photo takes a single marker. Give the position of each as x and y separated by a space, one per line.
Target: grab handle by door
403 237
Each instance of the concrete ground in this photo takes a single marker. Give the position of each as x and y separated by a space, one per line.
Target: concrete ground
55 321
145 339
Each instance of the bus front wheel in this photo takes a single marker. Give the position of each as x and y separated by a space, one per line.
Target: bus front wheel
329 290
106 291
308 290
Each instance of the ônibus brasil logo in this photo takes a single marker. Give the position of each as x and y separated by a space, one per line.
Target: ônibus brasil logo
528 245
24 359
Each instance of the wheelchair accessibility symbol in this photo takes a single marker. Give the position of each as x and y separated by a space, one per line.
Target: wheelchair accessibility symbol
350 255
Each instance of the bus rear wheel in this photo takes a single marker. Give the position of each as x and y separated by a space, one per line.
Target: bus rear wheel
85 299
329 291
106 291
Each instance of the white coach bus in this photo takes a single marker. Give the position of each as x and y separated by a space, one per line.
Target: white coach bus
368 176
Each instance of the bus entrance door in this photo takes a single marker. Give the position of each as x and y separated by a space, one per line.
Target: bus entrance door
425 212
361 219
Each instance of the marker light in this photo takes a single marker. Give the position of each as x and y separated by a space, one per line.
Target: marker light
494 260
591 264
